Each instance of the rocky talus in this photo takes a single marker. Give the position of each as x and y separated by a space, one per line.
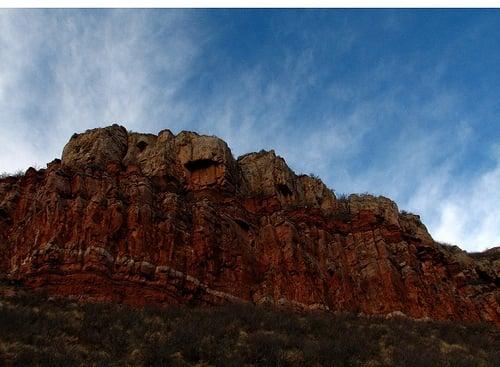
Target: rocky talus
176 219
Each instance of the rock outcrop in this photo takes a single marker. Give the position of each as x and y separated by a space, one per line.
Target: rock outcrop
175 219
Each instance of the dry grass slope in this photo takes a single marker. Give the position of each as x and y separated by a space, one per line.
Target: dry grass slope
40 331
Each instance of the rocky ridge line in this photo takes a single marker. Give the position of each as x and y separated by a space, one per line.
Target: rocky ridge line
168 219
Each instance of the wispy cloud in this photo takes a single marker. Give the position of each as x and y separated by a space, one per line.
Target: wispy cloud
65 71
462 212
253 111
328 100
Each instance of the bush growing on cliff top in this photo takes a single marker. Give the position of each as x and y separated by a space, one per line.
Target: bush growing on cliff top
18 173
343 197
41 331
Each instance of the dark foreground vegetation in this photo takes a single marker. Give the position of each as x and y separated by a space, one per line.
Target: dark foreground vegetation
39 331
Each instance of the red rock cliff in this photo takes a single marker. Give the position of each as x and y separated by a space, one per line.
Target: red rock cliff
169 219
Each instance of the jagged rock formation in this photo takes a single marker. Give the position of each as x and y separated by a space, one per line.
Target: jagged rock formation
166 219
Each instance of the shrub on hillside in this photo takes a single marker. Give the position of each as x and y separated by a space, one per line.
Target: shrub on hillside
36 330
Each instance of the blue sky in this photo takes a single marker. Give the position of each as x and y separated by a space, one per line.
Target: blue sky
401 103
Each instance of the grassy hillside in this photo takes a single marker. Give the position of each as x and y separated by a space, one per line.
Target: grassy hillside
37 330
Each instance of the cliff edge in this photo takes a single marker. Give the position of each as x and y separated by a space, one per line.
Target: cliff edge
176 219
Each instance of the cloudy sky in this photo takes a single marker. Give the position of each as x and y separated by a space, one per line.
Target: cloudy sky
404 104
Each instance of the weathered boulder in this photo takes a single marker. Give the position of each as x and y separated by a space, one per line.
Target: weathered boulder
96 148
268 175
207 162
314 193
380 206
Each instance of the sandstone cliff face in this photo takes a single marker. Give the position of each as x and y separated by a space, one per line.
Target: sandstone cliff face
169 219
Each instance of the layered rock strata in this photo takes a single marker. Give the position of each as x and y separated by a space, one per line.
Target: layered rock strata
176 219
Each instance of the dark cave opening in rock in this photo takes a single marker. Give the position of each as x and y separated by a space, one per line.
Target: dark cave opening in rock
243 224
284 190
199 164
141 145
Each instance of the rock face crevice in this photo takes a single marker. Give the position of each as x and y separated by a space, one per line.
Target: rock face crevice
176 219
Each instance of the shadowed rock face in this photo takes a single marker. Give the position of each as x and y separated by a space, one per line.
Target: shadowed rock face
175 219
